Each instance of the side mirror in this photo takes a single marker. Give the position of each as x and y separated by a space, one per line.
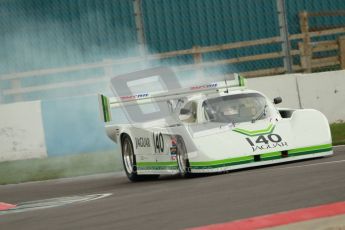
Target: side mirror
277 100
184 111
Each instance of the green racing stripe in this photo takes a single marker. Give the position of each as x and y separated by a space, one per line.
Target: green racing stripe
234 161
268 130
270 156
157 165
311 148
264 157
221 163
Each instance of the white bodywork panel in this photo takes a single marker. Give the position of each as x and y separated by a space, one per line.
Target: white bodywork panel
215 148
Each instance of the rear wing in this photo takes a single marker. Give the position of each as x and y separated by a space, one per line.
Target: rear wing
104 108
106 103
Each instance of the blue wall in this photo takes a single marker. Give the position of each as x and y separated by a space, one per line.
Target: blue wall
181 24
296 6
73 126
38 34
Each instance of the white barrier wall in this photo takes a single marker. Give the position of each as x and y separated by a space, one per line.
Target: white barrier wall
323 91
21 131
284 86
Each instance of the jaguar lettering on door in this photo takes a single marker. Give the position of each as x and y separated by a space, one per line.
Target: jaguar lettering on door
142 142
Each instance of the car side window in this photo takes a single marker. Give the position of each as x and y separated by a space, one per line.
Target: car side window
189 112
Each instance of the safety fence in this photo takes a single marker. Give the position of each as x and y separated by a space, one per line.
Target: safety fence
311 50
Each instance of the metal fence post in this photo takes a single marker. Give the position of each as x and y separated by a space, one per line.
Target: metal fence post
139 26
16 84
197 56
284 34
341 41
306 47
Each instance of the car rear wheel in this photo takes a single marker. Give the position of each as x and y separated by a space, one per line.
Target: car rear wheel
182 159
129 162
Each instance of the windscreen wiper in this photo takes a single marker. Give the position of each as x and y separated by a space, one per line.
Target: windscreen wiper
263 113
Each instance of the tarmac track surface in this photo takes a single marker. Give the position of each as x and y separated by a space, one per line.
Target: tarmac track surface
175 203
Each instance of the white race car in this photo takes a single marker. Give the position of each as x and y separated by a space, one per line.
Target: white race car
206 128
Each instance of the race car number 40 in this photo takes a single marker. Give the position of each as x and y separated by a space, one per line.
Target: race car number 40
158 142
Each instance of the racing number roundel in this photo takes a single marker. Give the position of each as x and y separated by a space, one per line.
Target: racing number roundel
158 142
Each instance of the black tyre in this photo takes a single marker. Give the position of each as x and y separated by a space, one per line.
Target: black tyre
129 162
182 159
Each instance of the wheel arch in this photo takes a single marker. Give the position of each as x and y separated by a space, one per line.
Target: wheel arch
122 136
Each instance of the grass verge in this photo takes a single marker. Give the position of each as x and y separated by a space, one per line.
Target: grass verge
58 167
338 133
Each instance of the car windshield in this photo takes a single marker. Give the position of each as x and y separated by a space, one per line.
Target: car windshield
235 108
